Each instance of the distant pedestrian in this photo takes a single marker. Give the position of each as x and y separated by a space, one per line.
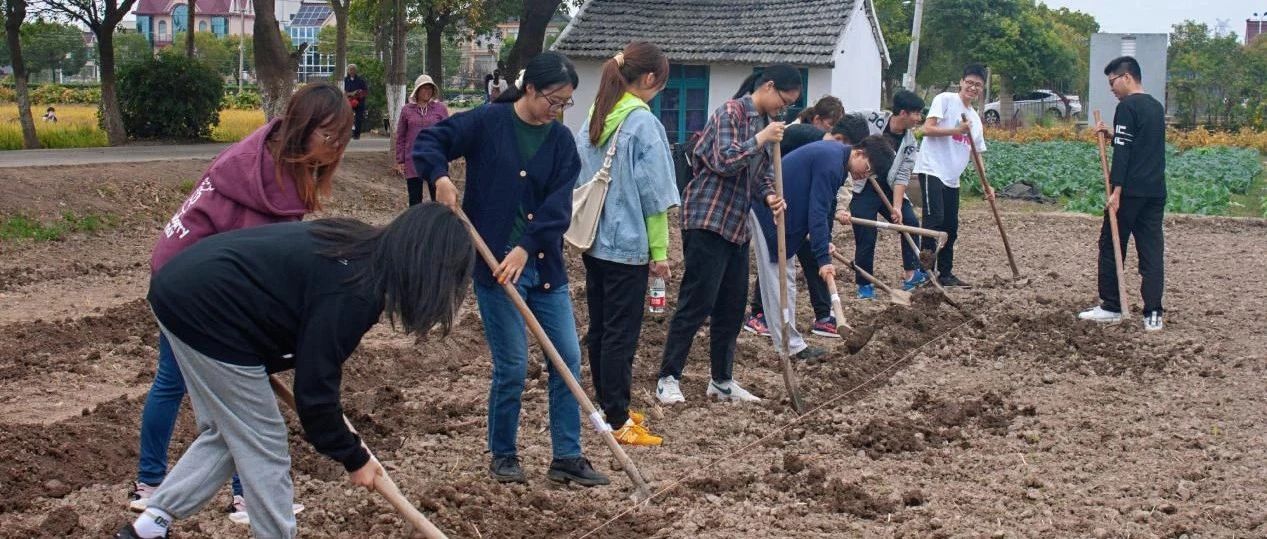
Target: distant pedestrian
424 109
1138 177
496 85
50 115
357 91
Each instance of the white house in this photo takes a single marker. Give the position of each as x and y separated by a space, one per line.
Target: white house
714 44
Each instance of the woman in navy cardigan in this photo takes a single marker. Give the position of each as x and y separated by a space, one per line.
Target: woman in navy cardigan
521 166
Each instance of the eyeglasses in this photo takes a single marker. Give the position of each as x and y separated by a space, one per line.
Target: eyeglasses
1113 79
328 138
973 84
557 105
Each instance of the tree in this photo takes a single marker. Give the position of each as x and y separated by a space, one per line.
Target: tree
14 14
1209 76
131 48
503 56
212 51
50 46
533 21
359 43
340 8
895 18
191 31
102 17
275 63
445 16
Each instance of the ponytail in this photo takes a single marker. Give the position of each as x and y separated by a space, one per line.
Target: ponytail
785 77
546 70
619 72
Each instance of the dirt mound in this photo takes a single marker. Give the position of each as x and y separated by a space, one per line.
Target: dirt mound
52 460
937 423
42 346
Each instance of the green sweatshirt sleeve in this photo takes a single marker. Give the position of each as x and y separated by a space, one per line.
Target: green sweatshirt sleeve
658 236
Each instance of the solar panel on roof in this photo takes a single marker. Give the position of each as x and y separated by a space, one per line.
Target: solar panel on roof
311 15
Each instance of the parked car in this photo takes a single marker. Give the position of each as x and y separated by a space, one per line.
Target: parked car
1038 102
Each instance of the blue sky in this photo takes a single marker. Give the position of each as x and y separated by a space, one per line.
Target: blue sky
1157 16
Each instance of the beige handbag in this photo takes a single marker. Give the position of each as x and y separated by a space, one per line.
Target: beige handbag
588 200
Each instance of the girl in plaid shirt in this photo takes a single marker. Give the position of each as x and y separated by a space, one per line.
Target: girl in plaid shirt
733 165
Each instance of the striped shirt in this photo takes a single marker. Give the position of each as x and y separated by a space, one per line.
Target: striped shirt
730 171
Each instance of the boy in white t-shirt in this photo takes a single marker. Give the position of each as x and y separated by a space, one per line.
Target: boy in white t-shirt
943 156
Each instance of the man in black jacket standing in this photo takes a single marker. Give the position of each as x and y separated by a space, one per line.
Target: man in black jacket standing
1138 180
357 91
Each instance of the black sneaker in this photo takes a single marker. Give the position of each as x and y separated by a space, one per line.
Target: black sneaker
950 281
810 353
577 470
128 532
507 470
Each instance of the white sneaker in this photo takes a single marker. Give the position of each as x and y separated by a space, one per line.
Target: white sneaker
730 391
1098 314
238 515
139 498
668 391
1153 322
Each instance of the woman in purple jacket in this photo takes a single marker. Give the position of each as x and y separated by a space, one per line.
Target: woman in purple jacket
278 173
423 110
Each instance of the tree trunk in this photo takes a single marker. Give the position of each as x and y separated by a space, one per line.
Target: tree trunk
15 13
396 68
1007 107
189 31
274 66
340 8
382 40
435 55
111 116
532 34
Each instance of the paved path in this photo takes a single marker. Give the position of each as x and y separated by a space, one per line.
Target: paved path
138 154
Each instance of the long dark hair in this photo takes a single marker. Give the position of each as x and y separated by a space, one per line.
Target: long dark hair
419 264
546 70
637 59
786 78
308 110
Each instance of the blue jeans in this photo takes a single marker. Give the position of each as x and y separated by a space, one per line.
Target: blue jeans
507 336
158 419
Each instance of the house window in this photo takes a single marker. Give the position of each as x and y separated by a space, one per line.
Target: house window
683 104
162 31
220 26
202 26
800 103
143 27
180 18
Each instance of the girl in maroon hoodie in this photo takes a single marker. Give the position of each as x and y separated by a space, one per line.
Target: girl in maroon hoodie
278 173
423 110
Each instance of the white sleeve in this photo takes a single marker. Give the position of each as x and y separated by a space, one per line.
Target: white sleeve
938 108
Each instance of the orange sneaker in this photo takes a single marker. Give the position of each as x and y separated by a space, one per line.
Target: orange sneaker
634 434
637 418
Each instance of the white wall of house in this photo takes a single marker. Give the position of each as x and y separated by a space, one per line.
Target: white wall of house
588 71
819 85
724 81
856 77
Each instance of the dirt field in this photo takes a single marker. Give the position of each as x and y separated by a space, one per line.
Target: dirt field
1015 422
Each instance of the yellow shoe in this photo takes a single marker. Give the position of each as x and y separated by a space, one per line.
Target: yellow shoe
637 418
634 434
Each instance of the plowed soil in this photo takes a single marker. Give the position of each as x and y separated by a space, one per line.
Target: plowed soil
1010 420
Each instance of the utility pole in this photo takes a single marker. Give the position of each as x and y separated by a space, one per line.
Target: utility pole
912 60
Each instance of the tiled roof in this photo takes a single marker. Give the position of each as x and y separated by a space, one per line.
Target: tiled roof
162 7
801 32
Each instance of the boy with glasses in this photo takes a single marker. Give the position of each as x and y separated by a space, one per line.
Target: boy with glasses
943 156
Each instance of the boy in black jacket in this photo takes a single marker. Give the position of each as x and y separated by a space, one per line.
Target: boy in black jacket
1138 179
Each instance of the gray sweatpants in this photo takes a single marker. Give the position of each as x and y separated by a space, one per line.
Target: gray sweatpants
768 276
239 427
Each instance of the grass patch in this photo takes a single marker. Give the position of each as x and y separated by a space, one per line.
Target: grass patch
22 227
77 127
